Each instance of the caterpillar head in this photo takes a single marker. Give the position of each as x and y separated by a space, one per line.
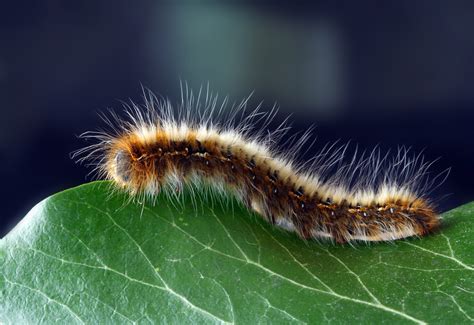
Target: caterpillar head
122 170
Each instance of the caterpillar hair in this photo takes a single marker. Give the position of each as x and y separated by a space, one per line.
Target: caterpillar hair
158 148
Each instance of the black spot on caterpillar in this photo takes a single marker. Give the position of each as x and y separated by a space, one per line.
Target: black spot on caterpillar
161 148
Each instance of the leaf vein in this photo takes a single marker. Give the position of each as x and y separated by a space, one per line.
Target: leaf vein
48 298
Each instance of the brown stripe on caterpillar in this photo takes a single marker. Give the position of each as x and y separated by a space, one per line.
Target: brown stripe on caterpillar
156 148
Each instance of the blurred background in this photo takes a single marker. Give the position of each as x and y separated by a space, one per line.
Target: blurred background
388 74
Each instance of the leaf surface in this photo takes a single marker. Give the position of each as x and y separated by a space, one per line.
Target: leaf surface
84 256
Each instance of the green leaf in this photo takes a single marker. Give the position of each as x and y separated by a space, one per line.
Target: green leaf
84 256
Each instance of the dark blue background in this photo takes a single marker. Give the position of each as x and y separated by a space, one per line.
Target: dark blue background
398 73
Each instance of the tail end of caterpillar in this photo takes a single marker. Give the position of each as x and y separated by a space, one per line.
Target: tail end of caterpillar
391 221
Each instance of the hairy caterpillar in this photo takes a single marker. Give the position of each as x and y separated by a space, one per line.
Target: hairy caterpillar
370 198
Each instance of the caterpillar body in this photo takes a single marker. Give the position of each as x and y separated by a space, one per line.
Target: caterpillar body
159 148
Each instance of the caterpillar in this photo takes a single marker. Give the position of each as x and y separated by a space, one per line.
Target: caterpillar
158 147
